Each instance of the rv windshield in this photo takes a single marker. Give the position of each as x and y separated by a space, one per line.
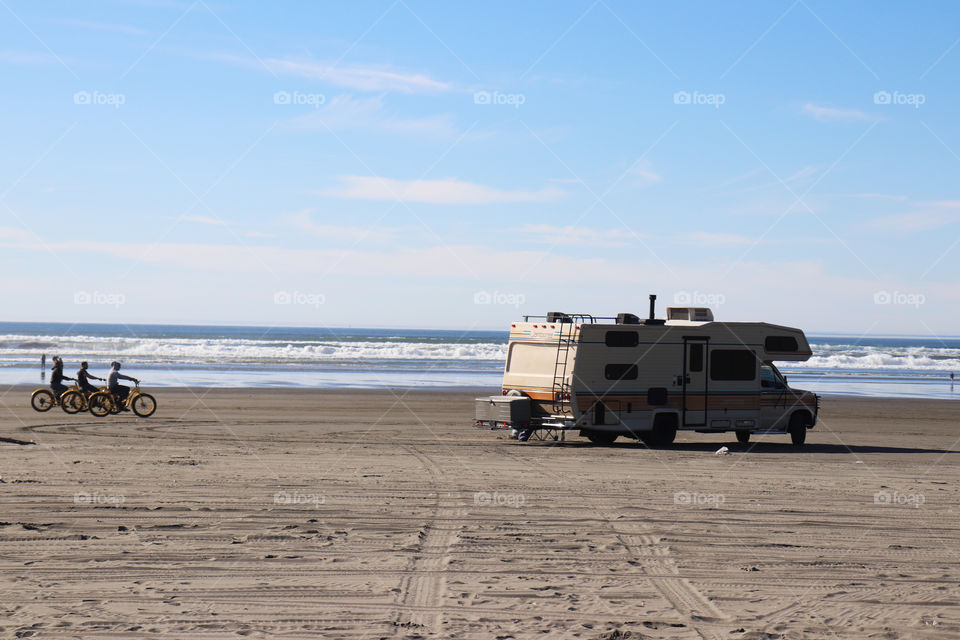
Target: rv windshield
770 377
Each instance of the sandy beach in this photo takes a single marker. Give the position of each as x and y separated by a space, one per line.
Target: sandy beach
378 514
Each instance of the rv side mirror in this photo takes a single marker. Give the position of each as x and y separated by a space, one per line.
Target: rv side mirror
784 379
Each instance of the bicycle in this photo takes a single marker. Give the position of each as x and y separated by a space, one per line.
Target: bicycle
74 400
43 399
105 402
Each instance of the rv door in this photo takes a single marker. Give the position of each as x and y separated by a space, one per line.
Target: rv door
695 388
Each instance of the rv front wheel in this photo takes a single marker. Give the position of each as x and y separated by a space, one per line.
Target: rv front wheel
743 437
797 429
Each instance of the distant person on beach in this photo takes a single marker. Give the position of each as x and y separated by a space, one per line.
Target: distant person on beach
113 382
83 379
57 377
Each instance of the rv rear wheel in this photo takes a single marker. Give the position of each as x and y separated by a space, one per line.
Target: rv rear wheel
599 437
743 437
797 429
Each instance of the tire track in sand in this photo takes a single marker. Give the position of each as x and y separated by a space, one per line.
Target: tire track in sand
698 610
423 589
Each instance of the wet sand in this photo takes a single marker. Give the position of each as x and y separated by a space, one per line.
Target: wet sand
371 514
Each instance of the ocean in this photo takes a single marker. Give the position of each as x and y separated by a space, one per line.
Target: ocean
207 356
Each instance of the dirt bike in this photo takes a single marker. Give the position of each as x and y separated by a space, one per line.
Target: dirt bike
104 402
44 399
74 401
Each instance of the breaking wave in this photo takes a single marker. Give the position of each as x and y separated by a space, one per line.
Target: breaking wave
245 351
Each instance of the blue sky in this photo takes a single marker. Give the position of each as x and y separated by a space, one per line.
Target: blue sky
454 165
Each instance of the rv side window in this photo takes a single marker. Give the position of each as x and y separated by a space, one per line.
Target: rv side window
782 344
622 338
620 372
769 379
696 357
733 364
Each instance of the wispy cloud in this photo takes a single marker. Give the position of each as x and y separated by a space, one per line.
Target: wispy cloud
204 220
446 191
28 58
303 220
942 204
797 177
570 235
643 174
361 78
708 239
346 112
916 221
801 174
831 114
869 196
101 26
734 180
13 237
927 216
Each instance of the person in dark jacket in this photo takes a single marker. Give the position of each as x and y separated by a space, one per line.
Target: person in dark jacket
57 377
83 379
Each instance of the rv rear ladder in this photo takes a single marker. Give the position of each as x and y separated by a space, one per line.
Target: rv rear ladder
561 390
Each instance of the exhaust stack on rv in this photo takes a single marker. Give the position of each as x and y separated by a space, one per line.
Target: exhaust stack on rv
653 305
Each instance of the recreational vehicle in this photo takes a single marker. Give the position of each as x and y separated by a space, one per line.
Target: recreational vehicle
649 378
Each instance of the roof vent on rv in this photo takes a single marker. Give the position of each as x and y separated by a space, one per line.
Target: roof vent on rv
627 318
558 316
693 314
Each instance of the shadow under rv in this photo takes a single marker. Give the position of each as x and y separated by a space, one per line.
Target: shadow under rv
608 377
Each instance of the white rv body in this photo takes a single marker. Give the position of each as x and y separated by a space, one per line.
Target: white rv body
647 379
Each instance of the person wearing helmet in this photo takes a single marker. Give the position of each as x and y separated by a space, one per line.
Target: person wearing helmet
57 377
113 383
83 379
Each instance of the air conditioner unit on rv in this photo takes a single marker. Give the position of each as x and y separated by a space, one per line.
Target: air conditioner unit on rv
694 314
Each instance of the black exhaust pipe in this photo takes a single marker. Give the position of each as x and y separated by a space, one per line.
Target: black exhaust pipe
652 320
